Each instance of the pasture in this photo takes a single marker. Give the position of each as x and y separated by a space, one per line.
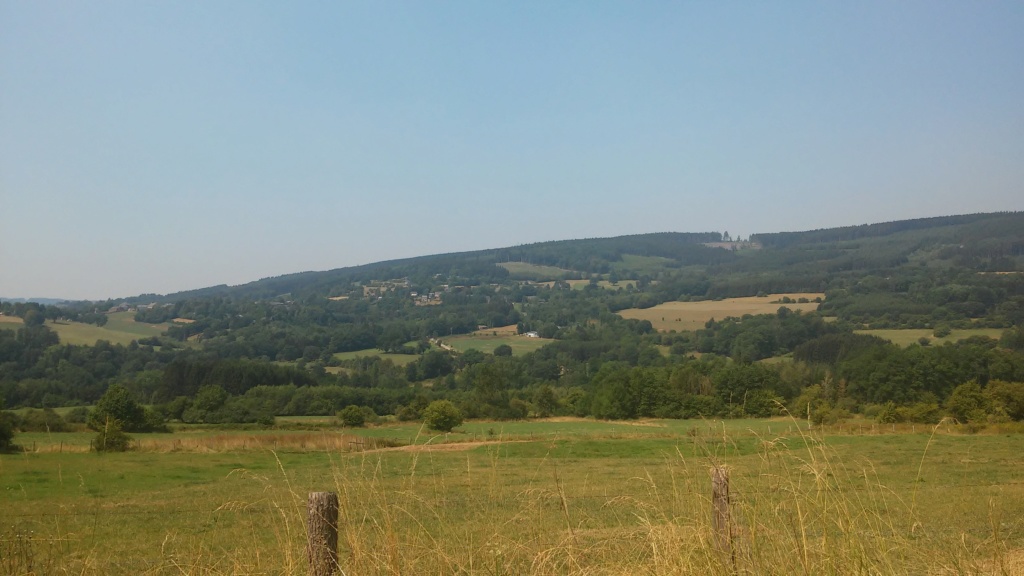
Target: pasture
399 359
486 341
650 265
538 272
560 496
121 328
689 316
906 337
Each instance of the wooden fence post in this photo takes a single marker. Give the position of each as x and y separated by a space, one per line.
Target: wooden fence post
721 521
322 543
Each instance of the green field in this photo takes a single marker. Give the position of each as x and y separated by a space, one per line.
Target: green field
544 497
485 342
906 337
399 359
121 328
649 265
537 272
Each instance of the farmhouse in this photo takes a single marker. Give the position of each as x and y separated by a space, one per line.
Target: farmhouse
532 334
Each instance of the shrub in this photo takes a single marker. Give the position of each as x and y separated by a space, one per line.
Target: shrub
111 438
921 412
117 404
1006 397
6 432
77 415
889 414
352 416
369 416
406 414
517 409
442 415
45 420
967 403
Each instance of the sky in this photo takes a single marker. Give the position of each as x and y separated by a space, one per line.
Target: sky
153 147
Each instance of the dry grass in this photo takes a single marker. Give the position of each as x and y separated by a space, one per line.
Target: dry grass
796 509
688 316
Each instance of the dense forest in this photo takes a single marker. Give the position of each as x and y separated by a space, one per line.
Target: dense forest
277 346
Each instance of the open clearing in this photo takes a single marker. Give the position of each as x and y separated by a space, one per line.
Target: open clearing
563 496
688 316
524 271
399 359
906 337
486 341
121 328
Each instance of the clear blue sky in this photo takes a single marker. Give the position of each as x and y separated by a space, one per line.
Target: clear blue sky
163 146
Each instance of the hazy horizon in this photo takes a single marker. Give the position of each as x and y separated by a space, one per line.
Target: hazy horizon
157 148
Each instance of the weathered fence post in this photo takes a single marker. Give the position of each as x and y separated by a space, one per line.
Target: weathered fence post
721 521
322 543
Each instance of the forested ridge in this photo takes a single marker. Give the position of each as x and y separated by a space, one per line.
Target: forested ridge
277 346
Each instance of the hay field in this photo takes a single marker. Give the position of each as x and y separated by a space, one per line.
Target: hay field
688 316
562 496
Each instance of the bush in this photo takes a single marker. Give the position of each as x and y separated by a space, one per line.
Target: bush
352 416
117 404
889 414
1006 398
967 403
442 415
369 416
45 420
6 432
111 438
922 412
77 415
517 409
406 414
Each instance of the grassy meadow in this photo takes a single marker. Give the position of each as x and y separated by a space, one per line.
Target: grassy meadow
399 359
489 339
689 316
525 271
121 328
560 496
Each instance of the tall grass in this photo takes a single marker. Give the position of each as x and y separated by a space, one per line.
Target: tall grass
797 509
